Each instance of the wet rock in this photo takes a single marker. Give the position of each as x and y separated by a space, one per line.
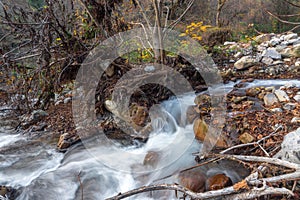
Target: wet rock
238 99
246 138
289 106
297 97
201 130
267 60
290 148
252 92
290 85
66 140
151 158
271 53
191 114
7 193
218 181
193 179
270 99
282 95
295 120
245 62
36 116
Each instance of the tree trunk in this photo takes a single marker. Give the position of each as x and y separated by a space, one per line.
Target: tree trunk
159 53
221 3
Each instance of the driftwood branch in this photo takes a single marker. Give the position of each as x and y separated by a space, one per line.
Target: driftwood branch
234 191
281 20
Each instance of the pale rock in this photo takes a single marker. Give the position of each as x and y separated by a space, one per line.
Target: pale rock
67 100
229 43
289 106
295 120
278 110
287 52
297 64
263 38
281 47
273 42
297 98
281 95
290 147
245 62
290 85
267 60
296 51
290 36
278 62
287 60
261 48
270 99
238 54
294 41
271 53
149 68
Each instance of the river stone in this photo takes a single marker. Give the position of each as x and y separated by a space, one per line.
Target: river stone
267 60
193 179
296 51
271 53
201 129
290 36
218 181
287 52
297 98
246 138
289 106
263 38
282 96
297 64
270 99
290 147
151 158
245 62
278 110
273 42
294 41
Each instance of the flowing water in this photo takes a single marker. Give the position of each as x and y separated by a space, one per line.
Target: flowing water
103 170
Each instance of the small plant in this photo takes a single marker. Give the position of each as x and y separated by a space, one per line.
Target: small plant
195 30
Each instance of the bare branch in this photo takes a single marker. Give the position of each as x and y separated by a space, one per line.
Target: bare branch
281 20
144 14
172 25
291 3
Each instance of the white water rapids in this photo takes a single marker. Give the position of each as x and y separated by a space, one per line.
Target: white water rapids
39 172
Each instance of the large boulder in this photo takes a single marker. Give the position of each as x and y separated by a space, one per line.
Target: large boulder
270 99
245 62
271 53
290 148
